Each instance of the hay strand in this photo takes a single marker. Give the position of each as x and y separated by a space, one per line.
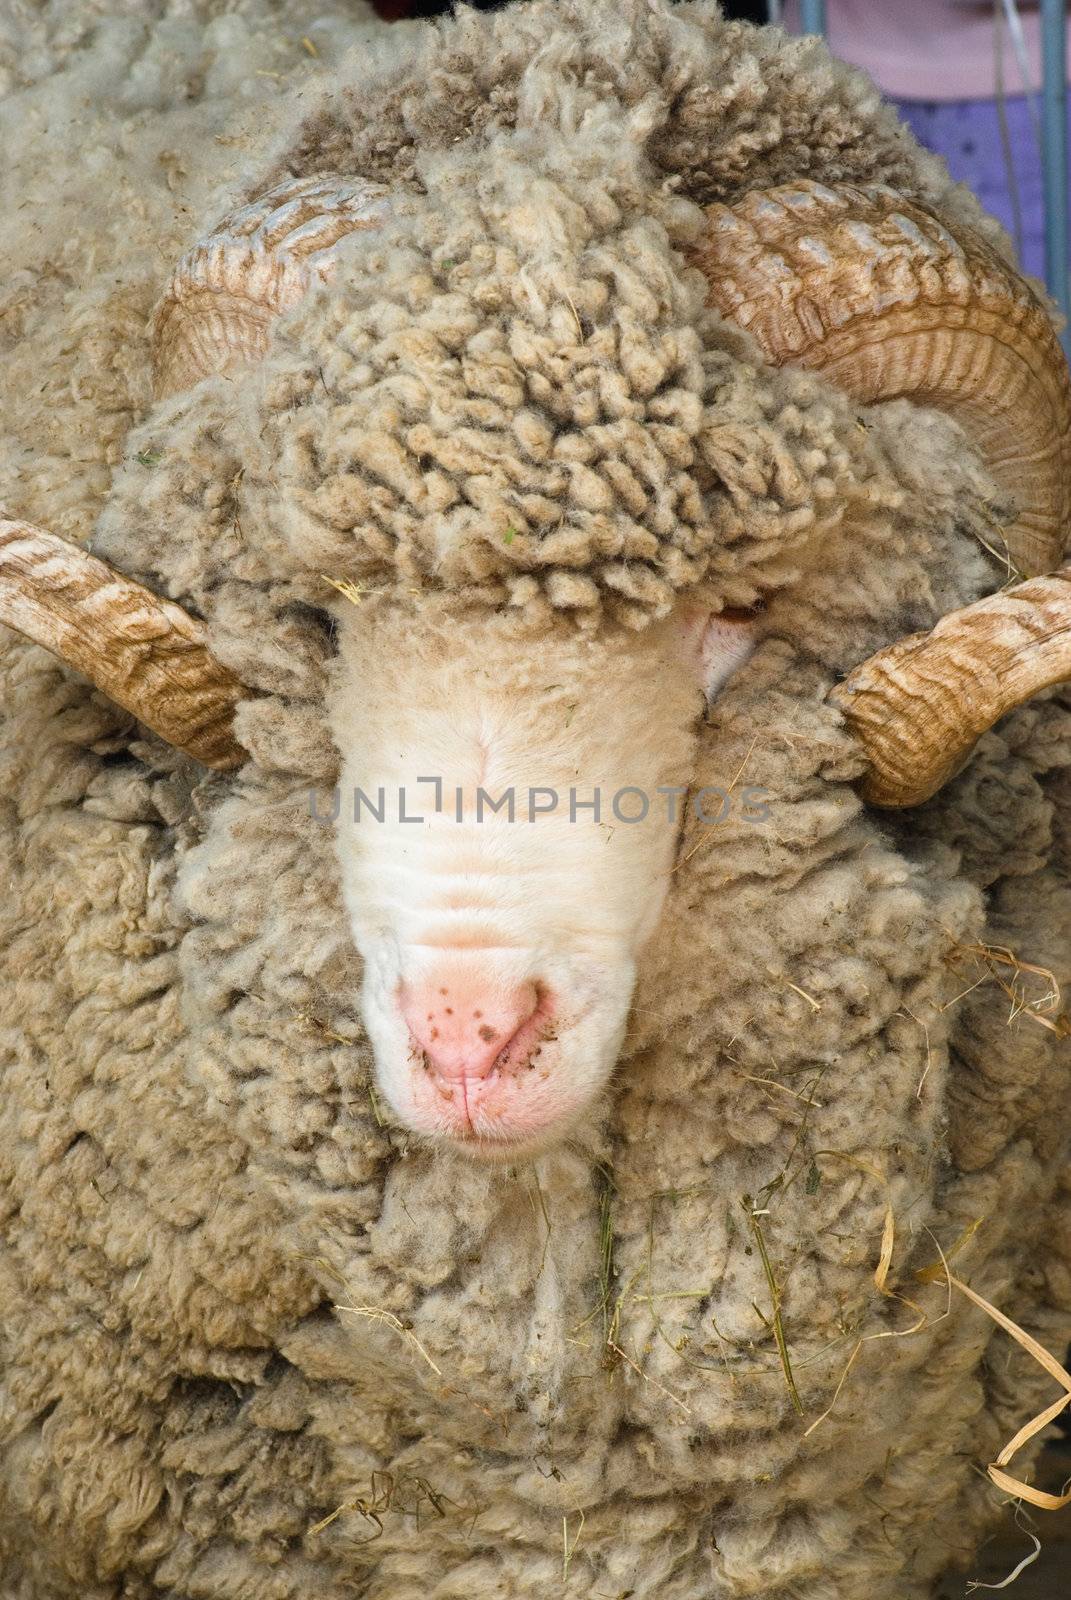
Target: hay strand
384 1495
1044 1010
1003 1480
568 1550
775 1302
1028 1560
881 1281
352 591
380 1314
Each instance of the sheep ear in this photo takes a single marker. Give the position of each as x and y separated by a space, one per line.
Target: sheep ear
718 642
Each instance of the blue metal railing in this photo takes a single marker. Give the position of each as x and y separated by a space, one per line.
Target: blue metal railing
1055 172
1054 156
813 16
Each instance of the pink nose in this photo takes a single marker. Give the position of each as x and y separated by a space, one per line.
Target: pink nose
463 1029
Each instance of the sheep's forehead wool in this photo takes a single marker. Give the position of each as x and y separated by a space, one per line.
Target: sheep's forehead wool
512 390
238 1299
507 393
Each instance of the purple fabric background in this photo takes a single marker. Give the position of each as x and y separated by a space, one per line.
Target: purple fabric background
967 134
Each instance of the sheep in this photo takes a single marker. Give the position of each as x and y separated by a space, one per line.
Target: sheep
509 482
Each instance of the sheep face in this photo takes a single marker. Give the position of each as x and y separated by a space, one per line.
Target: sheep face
508 815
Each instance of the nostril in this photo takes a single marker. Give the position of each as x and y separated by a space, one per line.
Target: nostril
469 1031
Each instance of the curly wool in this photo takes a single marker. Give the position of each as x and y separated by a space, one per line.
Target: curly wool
513 391
237 1298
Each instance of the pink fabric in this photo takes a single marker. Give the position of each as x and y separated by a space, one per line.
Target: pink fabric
928 49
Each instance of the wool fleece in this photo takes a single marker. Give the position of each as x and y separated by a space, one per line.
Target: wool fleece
238 1298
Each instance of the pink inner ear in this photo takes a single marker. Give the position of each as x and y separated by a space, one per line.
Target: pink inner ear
727 639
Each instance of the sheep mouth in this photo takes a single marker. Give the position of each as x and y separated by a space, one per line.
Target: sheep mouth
494 1117
502 1147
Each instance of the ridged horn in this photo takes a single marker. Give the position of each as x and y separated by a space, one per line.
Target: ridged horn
145 653
218 307
874 292
919 706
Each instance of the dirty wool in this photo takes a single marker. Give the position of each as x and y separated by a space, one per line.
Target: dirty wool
237 1298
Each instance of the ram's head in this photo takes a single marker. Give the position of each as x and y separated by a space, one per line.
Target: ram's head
499 947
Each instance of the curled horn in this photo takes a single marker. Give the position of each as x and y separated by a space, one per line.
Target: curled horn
145 653
858 283
920 705
217 310
869 289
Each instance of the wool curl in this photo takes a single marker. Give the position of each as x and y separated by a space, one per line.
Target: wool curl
238 1298
513 391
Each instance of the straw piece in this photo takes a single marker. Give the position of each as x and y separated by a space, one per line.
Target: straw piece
775 1301
1027 1561
888 1239
568 1550
1038 1351
1010 1485
1045 1010
380 1314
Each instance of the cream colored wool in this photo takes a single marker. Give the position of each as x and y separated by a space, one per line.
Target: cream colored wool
196 1171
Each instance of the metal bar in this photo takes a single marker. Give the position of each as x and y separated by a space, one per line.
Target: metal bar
813 16
1054 138
774 11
